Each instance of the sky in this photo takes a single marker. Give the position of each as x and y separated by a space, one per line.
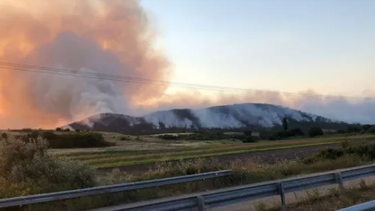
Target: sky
308 47
289 45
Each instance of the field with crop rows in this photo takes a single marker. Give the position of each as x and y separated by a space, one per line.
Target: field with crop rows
166 151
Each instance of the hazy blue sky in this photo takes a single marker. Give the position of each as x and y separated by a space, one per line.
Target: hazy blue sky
286 45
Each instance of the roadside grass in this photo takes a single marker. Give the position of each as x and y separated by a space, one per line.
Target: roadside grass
133 157
332 200
244 172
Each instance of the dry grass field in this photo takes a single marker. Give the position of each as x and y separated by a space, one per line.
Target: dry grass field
148 149
130 150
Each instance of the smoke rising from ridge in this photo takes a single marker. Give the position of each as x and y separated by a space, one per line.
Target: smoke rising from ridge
351 110
111 37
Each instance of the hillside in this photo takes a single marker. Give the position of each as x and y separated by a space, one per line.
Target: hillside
238 116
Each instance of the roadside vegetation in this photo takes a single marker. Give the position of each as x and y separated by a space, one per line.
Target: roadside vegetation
119 158
330 199
333 199
37 161
106 150
66 139
28 168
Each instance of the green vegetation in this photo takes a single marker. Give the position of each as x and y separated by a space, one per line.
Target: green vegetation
60 129
333 199
371 130
26 168
250 139
315 131
364 151
286 133
281 135
202 135
69 140
358 129
125 138
132 157
4 136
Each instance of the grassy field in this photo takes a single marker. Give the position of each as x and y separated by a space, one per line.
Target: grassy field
146 149
27 169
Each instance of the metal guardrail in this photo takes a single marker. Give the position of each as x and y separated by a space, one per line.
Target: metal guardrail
368 206
202 201
64 195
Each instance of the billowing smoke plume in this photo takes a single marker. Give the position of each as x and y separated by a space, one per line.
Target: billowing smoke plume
111 37
99 36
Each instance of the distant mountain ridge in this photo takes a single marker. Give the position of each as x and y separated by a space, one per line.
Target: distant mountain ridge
237 116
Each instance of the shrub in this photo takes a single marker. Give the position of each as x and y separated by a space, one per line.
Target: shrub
279 135
77 140
27 168
345 144
69 140
4 136
168 137
315 131
49 135
366 152
353 129
248 133
296 132
249 139
371 130
330 153
30 136
286 134
125 138
341 131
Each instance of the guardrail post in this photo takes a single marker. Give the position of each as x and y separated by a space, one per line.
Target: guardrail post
282 196
339 181
201 206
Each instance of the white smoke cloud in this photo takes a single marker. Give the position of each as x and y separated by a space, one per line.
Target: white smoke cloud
111 37
70 95
348 109
97 36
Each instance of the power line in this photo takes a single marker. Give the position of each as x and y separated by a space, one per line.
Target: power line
144 81
87 74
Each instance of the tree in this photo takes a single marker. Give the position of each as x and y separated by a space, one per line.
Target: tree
315 131
296 132
353 129
249 139
371 130
4 136
285 124
248 133
366 127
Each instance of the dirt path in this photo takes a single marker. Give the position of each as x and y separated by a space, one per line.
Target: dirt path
269 157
